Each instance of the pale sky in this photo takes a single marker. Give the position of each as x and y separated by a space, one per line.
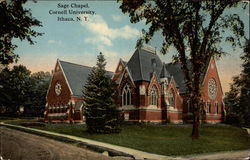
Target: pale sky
108 31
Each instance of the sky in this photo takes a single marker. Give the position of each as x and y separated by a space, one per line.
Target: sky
103 28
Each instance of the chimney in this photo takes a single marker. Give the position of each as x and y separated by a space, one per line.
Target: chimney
149 48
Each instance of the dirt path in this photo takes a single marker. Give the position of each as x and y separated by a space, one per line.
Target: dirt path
16 145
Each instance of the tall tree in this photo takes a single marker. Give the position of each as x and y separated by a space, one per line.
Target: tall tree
99 100
15 88
237 99
18 87
245 85
15 22
231 101
194 28
40 81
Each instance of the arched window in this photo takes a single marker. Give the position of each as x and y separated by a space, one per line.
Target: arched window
153 96
126 96
216 107
171 98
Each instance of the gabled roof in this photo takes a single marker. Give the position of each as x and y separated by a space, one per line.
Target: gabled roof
143 63
175 70
164 72
124 62
77 76
179 78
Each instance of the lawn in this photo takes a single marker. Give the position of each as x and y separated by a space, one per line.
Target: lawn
165 139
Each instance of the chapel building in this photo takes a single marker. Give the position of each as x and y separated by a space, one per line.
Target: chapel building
148 91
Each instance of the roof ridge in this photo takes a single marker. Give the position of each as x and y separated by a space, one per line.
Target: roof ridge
80 65
140 63
75 63
164 72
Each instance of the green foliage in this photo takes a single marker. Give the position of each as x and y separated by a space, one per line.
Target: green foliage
237 100
15 22
195 28
39 88
15 87
21 88
165 139
99 93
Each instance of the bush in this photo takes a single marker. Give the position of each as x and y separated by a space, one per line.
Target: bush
233 119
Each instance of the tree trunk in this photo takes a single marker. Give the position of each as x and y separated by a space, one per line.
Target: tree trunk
196 123
196 101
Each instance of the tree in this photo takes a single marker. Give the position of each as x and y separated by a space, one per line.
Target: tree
231 101
99 100
15 22
15 88
245 85
194 28
237 99
21 88
38 93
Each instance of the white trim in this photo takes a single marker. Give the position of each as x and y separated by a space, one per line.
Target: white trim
130 76
213 114
65 77
121 77
81 107
151 85
215 68
68 110
51 79
172 109
126 116
56 114
213 121
128 90
153 89
126 68
128 107
148 48
120 60
150 107
203 81
72 101
176 121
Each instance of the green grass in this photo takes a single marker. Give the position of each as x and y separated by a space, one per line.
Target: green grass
165 139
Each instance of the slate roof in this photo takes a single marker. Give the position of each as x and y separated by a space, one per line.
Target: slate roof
77 76
175 70
179 78
164 72
143 63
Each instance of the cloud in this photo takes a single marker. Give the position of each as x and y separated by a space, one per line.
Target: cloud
101 39
116 18
104 34
112 56
51 41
